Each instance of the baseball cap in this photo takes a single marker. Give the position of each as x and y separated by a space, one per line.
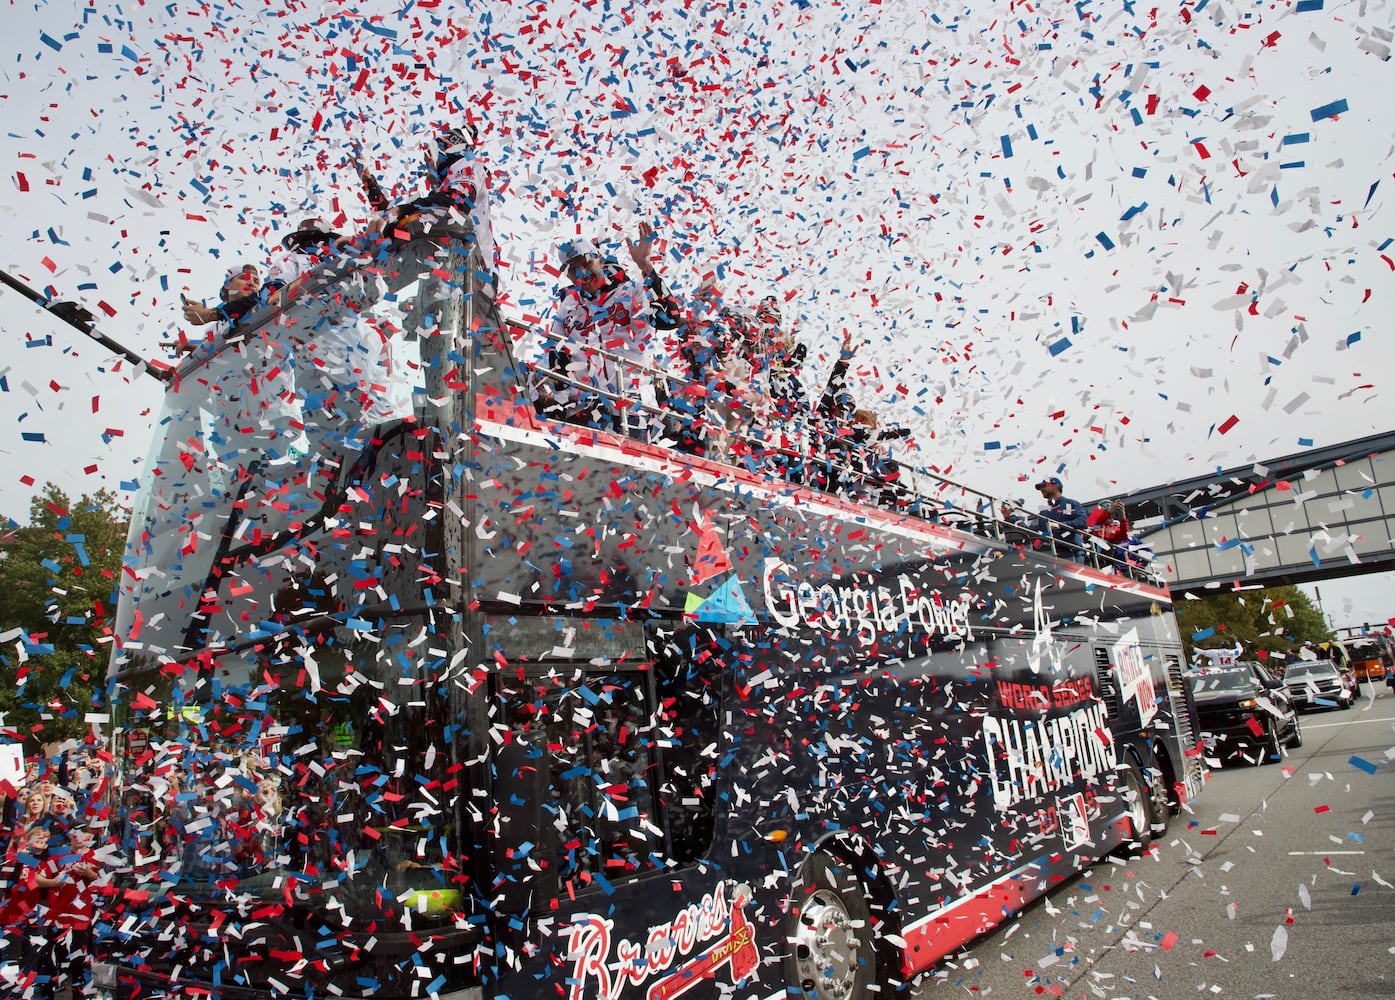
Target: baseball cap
568 250
1049 481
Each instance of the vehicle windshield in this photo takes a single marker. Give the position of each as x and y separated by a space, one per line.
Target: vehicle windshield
1300 671
283 625
1234 679
264 436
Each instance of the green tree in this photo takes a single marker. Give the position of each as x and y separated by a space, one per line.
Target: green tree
58 578
1272 620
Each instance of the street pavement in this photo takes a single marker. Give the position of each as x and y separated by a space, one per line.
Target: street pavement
1278 883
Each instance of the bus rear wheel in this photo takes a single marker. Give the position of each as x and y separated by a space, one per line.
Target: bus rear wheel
832 953
1138 808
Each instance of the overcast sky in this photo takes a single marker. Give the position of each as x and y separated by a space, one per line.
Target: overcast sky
1114 242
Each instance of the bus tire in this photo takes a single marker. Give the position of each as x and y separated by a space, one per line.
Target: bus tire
1138 809
832 950
1159 802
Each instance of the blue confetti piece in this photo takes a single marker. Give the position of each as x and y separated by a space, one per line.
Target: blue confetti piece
130 53
379 29
52 43
1007 148
1061 345
1307 6
992 445
1362 764
860 153
1337 107
1305 442
1352 338
1105 241
1205 633
1295 138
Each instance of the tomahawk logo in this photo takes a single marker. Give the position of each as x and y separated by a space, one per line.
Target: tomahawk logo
634 964
1044 654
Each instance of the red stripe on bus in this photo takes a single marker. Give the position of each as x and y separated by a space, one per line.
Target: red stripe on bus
521 416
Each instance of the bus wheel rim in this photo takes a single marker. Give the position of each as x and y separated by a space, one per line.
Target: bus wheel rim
826 947
1138 808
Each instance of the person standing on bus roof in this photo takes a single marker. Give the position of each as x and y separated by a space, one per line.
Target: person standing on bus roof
240 294
602 338
258 397
301 252
1063 517
457 181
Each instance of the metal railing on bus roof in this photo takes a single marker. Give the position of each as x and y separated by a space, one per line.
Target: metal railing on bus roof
915 492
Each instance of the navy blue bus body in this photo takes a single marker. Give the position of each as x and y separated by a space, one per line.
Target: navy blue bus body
452 700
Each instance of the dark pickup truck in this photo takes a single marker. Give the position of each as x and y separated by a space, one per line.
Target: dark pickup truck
1245 713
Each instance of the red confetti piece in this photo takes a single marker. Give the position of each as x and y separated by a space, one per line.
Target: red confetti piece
1169 941
1230 422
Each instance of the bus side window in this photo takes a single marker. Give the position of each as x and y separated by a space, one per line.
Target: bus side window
687 680
597 728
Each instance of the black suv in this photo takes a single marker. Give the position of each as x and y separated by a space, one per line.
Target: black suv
1245 712
1317 684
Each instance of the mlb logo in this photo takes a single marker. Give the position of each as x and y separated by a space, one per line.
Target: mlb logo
1075 822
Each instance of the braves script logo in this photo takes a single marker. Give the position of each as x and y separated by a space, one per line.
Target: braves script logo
634 963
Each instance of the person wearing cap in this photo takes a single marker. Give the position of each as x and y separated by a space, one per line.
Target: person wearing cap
457 182
260 412
1062 517
348 352
301 252
1109 522
602 339
240 294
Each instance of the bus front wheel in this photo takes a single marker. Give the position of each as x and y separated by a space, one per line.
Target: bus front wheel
832 953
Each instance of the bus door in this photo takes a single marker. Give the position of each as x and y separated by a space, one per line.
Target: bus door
626 719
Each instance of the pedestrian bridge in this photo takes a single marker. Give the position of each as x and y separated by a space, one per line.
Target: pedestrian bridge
1315 515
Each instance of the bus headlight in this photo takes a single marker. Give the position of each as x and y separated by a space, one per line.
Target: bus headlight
104 979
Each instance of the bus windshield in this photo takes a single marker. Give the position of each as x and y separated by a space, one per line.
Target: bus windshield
282 622
264 438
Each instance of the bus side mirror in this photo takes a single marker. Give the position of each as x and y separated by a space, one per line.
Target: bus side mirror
524 838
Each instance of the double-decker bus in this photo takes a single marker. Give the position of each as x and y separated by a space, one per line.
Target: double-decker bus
417 693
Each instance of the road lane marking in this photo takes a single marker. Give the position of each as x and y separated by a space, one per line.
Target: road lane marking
1321 854
1346 722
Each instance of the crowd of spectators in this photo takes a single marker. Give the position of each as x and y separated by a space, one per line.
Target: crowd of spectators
52 820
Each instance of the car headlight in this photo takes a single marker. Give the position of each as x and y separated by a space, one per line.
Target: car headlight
1247 703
